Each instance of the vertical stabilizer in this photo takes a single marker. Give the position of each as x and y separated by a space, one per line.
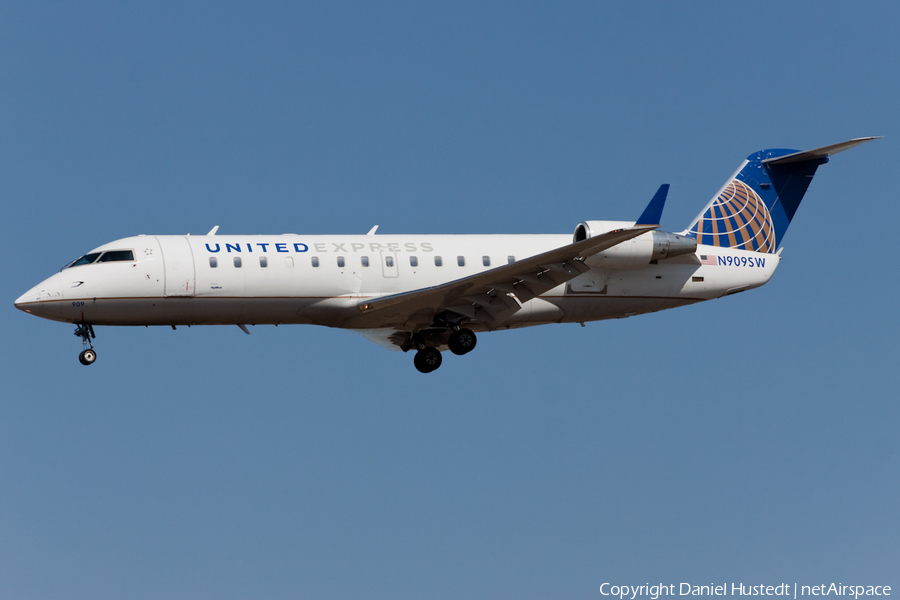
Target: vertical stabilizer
753 209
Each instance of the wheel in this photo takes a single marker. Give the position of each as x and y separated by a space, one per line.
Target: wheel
427 360
87 357
462 341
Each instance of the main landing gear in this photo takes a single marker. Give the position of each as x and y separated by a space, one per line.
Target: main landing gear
462 341
428 358
86 332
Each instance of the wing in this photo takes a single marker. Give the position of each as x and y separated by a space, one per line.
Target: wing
493 296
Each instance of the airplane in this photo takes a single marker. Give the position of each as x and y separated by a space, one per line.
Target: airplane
432 293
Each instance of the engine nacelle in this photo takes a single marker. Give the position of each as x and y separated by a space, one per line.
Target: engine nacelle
636 252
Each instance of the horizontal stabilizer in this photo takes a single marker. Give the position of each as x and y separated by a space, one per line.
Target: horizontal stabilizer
818 153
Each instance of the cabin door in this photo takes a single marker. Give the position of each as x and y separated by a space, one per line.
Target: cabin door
179 265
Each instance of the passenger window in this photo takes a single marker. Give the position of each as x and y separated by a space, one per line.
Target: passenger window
438 261
461 261
389 261
486 261
413 261
237 262
263 262
213 262
289 261
510 259
117 256
315 261
341 261
365 261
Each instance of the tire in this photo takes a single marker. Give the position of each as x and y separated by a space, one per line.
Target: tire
462 341
427 360
87 357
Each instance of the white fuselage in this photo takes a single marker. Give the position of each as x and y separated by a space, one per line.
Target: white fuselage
221 279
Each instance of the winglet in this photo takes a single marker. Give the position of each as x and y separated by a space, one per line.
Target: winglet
653 213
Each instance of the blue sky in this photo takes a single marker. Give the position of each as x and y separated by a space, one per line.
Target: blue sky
748 439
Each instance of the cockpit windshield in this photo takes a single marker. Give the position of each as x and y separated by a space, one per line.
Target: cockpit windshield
84 260
108 256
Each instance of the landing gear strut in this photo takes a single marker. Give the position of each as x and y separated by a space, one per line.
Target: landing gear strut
427 359
86 332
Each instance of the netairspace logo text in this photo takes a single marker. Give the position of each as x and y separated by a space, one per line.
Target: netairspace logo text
654 592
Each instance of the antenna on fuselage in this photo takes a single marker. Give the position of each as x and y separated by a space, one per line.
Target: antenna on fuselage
373 230
213 230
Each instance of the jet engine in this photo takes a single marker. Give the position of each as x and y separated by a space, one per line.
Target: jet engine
636 252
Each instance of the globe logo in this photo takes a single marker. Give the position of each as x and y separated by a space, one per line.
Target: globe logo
737 218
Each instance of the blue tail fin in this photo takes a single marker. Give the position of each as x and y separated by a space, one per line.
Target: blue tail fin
753 209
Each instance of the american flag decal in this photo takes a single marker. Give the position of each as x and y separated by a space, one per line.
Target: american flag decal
708 259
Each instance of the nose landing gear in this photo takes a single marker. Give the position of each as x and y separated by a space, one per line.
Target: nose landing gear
87 357
86 332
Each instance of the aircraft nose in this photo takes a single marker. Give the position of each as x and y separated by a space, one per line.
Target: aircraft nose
29 301
33 300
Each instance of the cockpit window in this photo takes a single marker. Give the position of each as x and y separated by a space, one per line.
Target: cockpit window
84 260
108 256
117 256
